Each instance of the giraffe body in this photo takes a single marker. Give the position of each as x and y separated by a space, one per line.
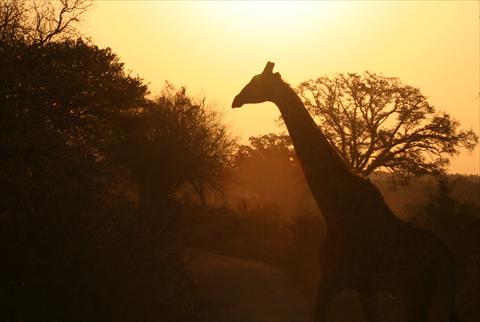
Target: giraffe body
367 248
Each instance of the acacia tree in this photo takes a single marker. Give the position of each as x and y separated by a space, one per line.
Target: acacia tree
173 141
377 122
39 22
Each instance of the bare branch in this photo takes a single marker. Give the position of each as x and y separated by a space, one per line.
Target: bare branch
39 22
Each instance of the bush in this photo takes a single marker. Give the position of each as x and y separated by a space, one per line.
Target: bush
77 243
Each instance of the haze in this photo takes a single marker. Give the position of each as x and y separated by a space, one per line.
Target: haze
213 48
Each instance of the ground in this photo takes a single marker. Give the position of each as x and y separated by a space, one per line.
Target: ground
247 291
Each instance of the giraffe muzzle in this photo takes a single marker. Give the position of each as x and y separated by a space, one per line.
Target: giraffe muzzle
237 102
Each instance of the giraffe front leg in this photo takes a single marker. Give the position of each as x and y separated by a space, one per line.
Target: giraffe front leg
368 302
326 291
417 312
418 305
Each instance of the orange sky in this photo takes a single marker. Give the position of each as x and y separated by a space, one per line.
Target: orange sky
215 47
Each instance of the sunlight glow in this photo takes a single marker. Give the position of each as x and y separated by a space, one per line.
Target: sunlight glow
270 18
214 47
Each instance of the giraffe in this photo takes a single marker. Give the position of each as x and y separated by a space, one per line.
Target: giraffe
367 248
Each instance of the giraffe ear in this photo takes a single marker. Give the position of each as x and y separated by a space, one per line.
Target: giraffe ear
277 75
268 68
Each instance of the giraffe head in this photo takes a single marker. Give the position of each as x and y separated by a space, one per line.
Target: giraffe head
261 88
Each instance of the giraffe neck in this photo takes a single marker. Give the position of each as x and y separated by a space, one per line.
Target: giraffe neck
325 171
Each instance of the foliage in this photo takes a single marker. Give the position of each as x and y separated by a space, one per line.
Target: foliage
57 102
458 224
70 90
255 233
255 169
76 246
39 22
257 164
377 122
267 146
172 141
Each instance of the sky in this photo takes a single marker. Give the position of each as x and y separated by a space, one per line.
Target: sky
215 47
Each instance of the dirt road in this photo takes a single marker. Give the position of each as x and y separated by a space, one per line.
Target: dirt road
248 291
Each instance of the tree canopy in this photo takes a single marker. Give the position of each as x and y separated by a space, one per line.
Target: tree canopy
41 21
175 140
256 170
58 105
76 246
379 123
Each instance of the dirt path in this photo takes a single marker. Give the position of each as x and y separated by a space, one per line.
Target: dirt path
248 291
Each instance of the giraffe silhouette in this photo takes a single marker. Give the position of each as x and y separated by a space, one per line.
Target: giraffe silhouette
367 248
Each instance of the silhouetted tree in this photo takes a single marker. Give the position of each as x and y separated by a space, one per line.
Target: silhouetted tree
58 102
458 223
455 220
76 245
258 163
74 248
376 122
256 169
265 146
172 141
38 22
